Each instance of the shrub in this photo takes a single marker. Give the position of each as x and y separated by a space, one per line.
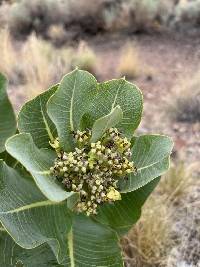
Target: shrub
187 15
27 16
82 16
78 177
185 104
149 14
57 34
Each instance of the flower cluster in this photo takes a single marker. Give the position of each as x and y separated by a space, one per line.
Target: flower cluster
93 169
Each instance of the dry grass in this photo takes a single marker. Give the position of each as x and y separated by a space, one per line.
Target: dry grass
37 68
34 65
85 58
4 11
57 34
129 62
149 242
177 181
184 105
9 63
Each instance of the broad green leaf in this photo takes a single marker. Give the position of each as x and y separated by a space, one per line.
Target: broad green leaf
12 255
106 122
122 93
32 220
38 163
70 102
28 217
123 214
151 157
92 244
7 116
33 119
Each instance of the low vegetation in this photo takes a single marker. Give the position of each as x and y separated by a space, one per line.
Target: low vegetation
84 17
152 239
129 62
85 58
149 242
40 62
185 104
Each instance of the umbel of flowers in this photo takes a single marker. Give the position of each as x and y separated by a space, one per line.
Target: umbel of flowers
93 169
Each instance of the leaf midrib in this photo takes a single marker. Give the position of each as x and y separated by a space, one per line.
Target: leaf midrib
115 99
46 124
71 105
71 248
152 164
31 206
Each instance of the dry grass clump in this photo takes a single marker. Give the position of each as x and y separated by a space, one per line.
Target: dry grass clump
57 34
185 104
129 62
177 181
4 11
85 58
151 240
9 63
33 65
36 64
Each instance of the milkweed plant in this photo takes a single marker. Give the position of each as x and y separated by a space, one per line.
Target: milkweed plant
74 174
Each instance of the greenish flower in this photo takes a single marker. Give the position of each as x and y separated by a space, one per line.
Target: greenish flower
94 169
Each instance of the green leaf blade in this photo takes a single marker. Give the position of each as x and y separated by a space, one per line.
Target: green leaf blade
151 157
32 220
28 217
123 214
38 163
7 116
33 119
13 255
71 101
106 122
92 244
119 93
